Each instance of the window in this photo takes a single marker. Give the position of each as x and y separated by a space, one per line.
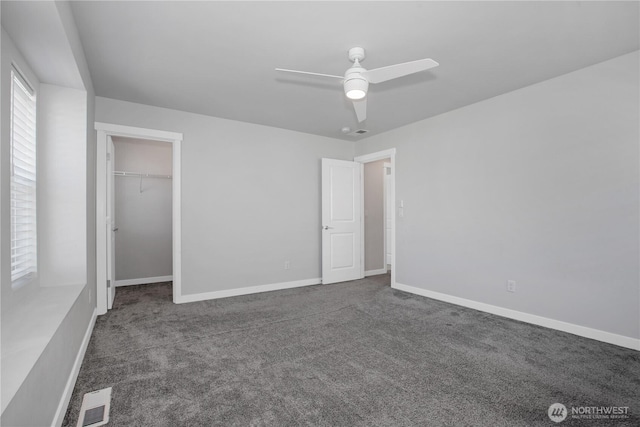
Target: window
23 181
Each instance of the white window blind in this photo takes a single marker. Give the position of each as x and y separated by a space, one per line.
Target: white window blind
23 181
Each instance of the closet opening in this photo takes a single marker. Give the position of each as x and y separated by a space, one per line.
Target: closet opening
107 225
141 218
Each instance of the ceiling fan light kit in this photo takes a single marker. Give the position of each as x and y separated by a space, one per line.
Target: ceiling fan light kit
356 79
355 87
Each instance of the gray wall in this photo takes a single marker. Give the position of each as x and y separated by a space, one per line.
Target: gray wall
250 196
539 185
62 192
143 240
43 384
374 226
67 22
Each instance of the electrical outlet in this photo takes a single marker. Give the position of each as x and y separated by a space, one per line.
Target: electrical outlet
511 285
287 265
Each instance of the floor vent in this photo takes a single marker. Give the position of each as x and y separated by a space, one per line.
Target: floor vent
358 132
95 408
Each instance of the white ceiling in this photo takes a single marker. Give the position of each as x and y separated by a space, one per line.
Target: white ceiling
218 58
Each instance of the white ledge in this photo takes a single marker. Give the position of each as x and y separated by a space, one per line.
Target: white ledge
27 329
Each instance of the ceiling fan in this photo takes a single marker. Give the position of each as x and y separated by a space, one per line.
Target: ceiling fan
356 79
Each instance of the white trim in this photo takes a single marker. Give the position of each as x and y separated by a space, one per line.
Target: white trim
101 223
362 260
73 376
135 132
246 291
583 331
394 224
378 155
143 281
372 157
387 258
177 218
107 129
375 272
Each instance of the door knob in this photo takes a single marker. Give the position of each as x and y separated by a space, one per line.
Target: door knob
326 227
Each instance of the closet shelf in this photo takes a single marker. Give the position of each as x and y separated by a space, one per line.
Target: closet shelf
141 175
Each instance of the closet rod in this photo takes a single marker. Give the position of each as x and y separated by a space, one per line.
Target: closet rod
141 175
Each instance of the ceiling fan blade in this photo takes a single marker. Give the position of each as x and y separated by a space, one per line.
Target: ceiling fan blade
308 73
379 75
361 109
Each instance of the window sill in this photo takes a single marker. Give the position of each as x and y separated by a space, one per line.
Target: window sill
27 329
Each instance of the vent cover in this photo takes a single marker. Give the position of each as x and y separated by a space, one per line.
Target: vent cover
95 408
358 132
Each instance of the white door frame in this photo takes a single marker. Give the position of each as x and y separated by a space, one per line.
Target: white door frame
367 158
111 238
386 211
104 130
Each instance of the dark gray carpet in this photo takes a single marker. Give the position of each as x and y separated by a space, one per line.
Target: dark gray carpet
349 354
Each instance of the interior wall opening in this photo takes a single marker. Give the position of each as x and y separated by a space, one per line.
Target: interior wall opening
379 213
142 214
375 217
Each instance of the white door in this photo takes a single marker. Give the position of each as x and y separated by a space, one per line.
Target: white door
111 226
388 210
341 221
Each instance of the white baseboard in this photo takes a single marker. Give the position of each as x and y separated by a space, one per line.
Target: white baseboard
375 272
245 291
73 376
559 325
143 281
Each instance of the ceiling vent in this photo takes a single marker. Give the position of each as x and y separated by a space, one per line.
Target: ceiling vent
358 132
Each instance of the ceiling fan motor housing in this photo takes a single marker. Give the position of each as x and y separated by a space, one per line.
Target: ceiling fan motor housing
355 85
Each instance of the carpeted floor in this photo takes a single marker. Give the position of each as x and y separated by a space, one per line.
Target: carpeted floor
350 354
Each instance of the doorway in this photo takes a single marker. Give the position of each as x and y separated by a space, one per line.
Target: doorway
379 220
142 211
375 213
106 227
343 220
